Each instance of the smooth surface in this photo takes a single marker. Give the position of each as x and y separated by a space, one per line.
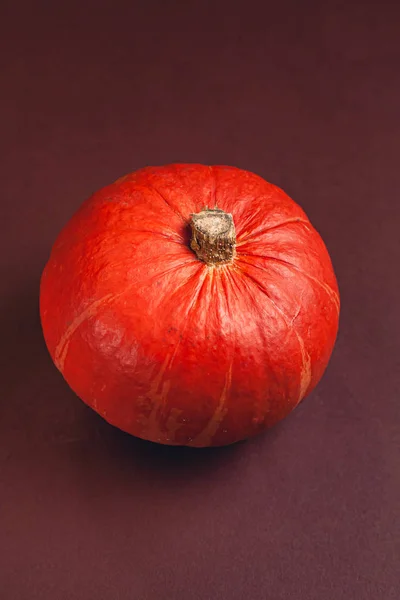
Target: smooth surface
308 97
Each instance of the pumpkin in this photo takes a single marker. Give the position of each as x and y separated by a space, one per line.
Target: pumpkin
190 305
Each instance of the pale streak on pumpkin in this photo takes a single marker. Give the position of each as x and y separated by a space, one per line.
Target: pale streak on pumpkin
205 437
61 350
305 373
173 424
333 295
158 398
123 178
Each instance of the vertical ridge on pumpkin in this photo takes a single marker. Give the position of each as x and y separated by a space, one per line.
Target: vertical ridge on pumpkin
150 186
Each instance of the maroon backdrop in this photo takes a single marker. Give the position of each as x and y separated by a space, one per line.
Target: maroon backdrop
306 94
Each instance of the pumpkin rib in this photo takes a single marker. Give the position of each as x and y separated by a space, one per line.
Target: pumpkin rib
306 374
250 284
236 281
197 293
160 401
205 437
265 292
176 267
306 368
102 235
63 344
242 228
331 293
156 276
180 240
151 428
103 239
240 277
160 388
151 187
61 349
251 236
183 283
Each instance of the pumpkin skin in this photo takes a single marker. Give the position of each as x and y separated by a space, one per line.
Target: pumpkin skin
169 348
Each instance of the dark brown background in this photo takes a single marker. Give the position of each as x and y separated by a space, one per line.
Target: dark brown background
305 94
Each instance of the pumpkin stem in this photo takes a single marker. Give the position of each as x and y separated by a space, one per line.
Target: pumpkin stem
213 236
